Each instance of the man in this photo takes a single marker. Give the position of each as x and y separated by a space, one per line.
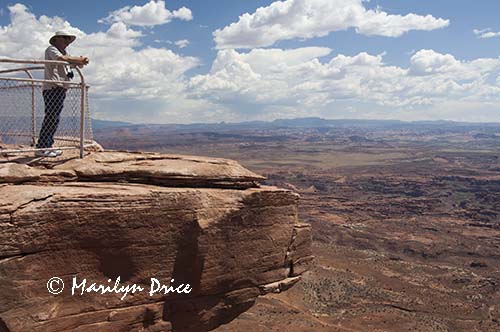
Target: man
55 93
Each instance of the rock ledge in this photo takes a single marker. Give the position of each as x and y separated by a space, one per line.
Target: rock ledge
206 222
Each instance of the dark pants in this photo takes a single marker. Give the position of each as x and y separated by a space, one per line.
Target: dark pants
54 103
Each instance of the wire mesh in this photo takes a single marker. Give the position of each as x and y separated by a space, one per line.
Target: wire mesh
33 118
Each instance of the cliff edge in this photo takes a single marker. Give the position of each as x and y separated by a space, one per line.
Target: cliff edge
147 220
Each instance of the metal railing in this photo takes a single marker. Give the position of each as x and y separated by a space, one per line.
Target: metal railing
27 117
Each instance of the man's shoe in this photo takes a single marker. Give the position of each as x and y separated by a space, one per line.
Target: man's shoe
46 153
58 152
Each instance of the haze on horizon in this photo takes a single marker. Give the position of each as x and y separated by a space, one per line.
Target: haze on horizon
199 62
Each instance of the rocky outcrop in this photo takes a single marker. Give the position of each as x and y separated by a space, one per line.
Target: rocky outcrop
142 220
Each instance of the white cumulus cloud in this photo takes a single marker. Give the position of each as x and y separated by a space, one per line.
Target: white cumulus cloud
182 43
152 13
486 33
183 13
315 18
120 67
426 62
266 78
133 82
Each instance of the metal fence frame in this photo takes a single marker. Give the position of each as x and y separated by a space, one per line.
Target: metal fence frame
33 83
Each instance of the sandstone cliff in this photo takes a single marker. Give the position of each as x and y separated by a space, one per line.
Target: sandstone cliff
200 221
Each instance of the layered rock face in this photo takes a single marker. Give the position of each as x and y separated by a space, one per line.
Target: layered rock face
139 219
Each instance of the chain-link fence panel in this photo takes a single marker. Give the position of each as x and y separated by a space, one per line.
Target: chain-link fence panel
33 118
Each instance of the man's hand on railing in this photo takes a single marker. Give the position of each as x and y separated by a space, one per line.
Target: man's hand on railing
85 60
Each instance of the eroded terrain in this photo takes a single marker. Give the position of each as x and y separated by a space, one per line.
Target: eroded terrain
406 220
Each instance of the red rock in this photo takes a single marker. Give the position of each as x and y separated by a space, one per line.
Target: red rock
201 221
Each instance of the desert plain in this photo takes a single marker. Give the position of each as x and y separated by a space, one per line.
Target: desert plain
405 217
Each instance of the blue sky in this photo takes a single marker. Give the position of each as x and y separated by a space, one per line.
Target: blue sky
385 59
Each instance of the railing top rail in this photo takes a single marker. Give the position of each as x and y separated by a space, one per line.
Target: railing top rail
21 69
33 61
17 79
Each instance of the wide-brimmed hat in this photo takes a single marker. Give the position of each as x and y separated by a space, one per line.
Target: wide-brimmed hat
62 34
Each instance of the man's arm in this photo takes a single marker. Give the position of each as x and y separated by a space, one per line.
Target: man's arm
75 60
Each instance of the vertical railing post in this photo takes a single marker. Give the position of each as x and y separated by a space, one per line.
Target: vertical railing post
82 116
83 109
33 109
33 115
